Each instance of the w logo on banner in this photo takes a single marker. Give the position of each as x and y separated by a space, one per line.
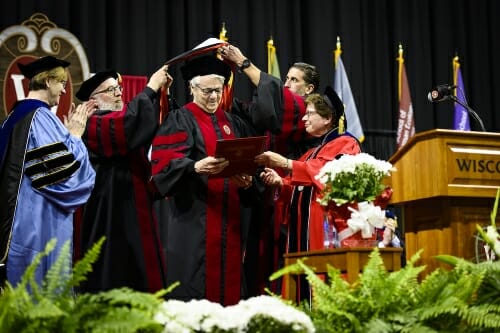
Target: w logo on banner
45 38
461 121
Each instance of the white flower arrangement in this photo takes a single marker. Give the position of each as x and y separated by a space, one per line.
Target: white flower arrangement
353 178
257 314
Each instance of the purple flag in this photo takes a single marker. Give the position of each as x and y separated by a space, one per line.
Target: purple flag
461 121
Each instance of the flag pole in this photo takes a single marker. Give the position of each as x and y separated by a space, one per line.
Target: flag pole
227 95
400 70
270 49
455 66
337 52
223 32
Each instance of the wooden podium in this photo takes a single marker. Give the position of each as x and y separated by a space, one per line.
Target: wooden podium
445 183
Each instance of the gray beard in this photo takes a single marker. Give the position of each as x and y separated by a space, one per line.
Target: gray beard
111 106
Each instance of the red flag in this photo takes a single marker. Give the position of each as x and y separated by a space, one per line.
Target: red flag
406 122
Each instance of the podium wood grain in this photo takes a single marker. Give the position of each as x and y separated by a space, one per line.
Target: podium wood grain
445 183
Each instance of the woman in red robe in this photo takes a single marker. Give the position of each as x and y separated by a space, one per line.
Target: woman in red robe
300 189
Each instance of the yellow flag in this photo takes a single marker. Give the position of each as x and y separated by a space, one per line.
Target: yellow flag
223 32
273 66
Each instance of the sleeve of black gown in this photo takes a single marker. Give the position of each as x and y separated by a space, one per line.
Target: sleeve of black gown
264 111
173 154
273 107
116 133
276 109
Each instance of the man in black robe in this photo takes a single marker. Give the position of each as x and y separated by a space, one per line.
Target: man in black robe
121 205
276 112
204 213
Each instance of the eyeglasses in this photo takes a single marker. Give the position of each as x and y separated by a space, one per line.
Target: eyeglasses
209 91
63 83
310 113
110 90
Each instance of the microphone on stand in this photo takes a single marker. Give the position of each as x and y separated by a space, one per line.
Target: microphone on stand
444 92
441 93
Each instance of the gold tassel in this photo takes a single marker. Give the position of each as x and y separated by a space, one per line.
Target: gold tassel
341 124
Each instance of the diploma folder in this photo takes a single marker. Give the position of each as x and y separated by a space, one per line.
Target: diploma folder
240 153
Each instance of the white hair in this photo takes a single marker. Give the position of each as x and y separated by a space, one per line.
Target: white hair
196 80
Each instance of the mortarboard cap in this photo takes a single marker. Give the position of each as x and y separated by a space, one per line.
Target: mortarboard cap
333 100
88 86
205 65
41 65
206 46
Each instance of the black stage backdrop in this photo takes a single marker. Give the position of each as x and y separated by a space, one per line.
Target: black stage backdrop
135 37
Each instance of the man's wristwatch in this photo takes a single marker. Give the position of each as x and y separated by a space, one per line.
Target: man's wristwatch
244 65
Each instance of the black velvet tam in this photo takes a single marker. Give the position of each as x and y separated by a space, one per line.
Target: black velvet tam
41 65
88 86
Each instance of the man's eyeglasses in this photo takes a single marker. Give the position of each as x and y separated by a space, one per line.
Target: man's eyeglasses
209 91
110 90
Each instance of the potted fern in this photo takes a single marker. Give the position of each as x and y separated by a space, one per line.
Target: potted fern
53 307
463 299
381 301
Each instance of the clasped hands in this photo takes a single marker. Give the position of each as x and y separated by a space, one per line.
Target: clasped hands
213 165
271 160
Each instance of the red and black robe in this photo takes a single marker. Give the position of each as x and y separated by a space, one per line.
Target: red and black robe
121 206
203 215
276 112
301 190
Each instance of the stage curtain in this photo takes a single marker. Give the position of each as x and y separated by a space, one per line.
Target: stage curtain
132 85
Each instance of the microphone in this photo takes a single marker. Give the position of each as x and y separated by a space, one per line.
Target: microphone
444 92
441 93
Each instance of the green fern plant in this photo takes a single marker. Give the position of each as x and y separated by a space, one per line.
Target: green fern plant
381 301
491 235
53 306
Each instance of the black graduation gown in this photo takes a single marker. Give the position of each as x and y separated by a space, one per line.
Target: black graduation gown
276 112
204 215
121 206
